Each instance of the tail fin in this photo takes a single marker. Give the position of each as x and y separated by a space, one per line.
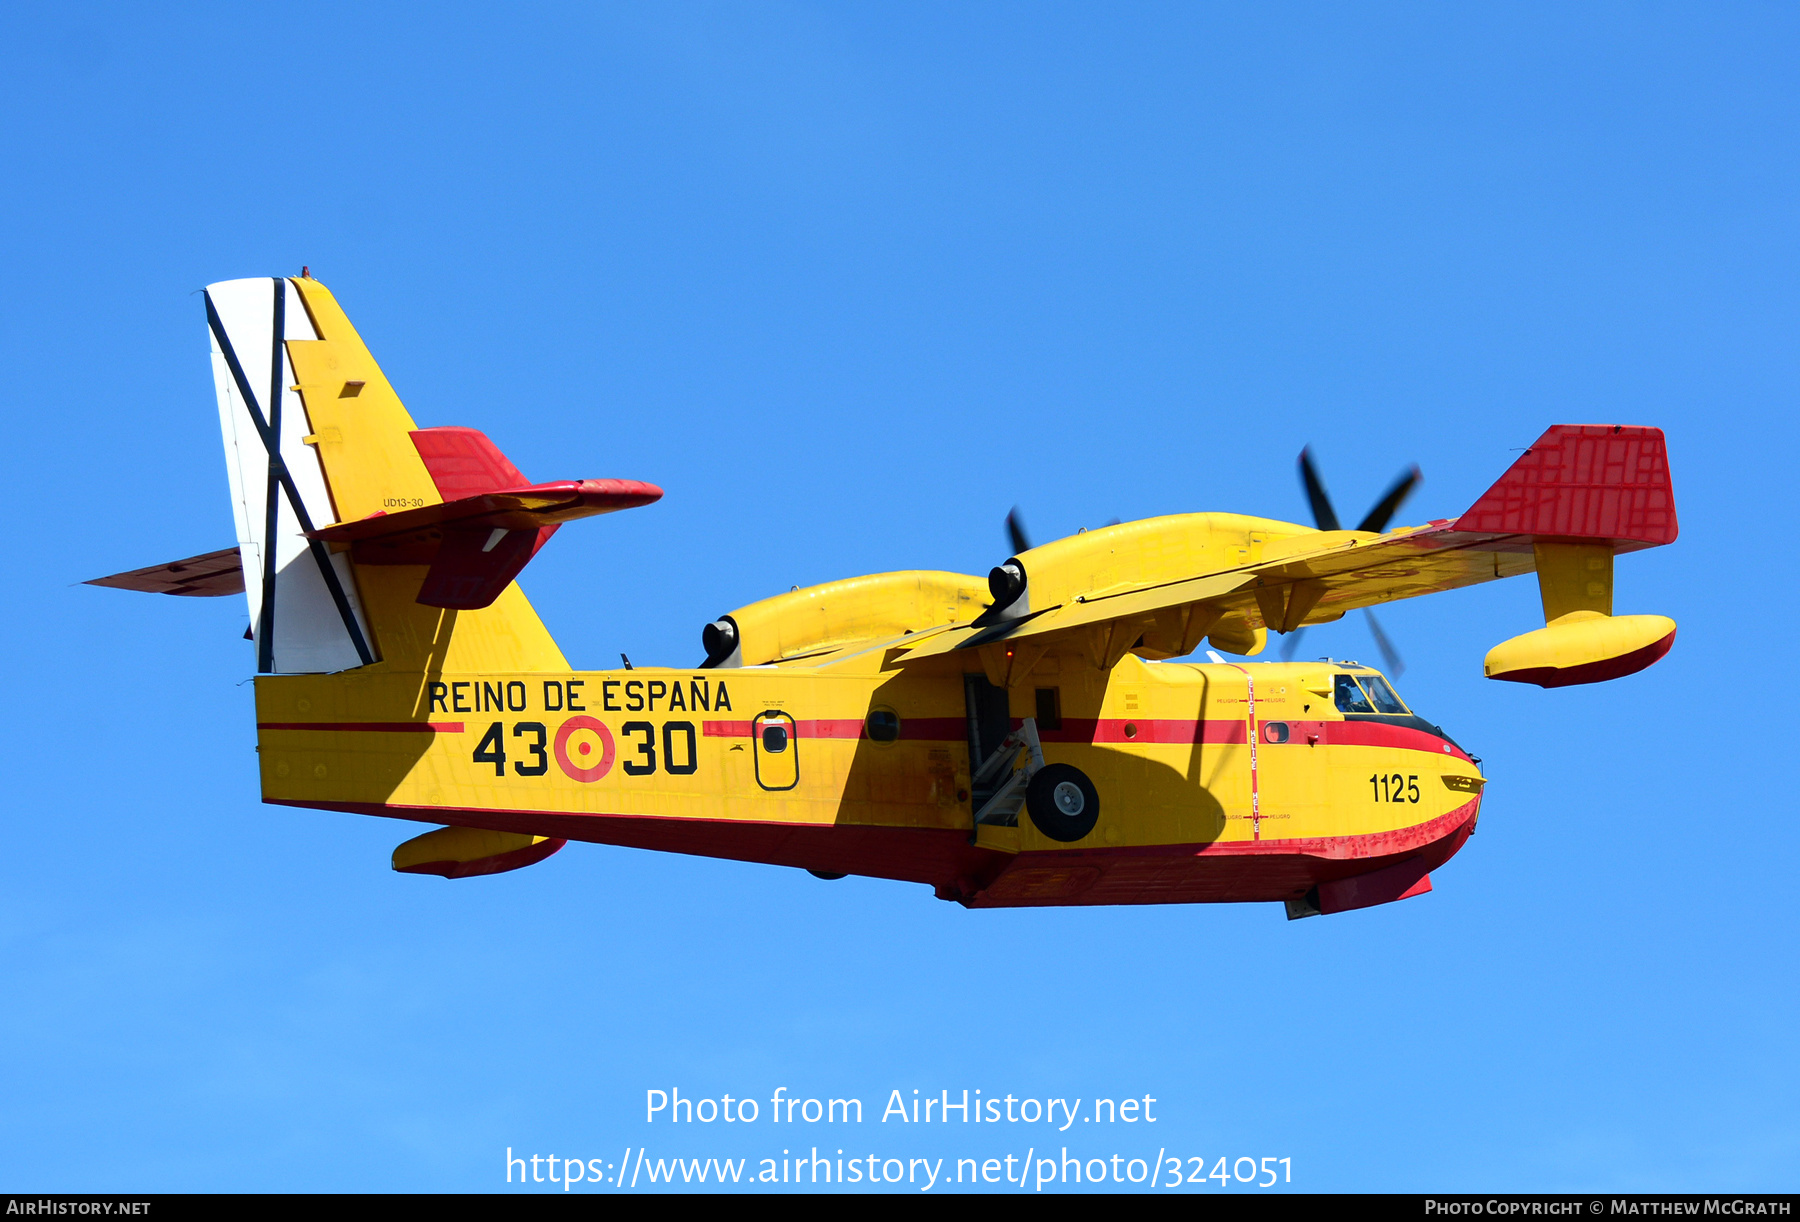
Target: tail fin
365 539
305 614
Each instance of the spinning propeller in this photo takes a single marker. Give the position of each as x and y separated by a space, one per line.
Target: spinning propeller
1015 532
1376 520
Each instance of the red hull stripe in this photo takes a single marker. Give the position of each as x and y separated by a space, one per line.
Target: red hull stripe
932 729
951 729
368 727
1376 734
935 729
1225 733
691 832
984 878
1171 731
1152 730
1371 844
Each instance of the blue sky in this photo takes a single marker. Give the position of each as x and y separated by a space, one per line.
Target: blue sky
849 282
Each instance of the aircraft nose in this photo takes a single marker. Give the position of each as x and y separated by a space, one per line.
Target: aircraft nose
1451 746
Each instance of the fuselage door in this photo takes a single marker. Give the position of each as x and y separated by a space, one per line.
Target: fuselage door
777 750
989 724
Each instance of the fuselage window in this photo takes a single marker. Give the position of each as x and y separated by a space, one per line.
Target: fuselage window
1275 731
775 739
1382 695
884 725
1347 696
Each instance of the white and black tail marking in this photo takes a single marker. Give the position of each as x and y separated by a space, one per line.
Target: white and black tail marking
305 615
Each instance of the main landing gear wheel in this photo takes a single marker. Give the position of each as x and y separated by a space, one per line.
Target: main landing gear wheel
1062 802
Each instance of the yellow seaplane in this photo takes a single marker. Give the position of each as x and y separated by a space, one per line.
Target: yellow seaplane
1026 739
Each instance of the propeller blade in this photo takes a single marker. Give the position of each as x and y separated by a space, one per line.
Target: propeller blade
1377 518
1015 532
1389 655
1291 644
1324 516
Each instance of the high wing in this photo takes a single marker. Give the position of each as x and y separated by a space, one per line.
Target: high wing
1602 487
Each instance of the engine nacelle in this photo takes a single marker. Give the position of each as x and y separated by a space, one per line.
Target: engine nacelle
1143 553
815 620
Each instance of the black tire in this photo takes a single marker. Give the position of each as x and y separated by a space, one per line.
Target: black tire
1062 802
830 876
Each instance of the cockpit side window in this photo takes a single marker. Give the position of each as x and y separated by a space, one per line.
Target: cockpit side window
1382 695
1349 697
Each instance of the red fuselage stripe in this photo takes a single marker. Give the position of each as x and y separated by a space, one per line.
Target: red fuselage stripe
368 727
691 835
1162 731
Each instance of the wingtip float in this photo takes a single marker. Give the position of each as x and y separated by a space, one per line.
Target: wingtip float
1025 740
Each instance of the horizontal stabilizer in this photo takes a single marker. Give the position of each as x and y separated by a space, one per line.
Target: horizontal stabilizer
209 576
490 524
476 545
526 508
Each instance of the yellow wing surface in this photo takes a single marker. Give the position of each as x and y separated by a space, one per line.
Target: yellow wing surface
1580 495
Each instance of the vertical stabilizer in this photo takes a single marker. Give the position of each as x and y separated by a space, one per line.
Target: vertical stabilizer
315 437
305 614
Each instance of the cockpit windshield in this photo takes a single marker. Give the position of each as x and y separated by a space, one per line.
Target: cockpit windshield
1381 695
1365 694
1349 697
